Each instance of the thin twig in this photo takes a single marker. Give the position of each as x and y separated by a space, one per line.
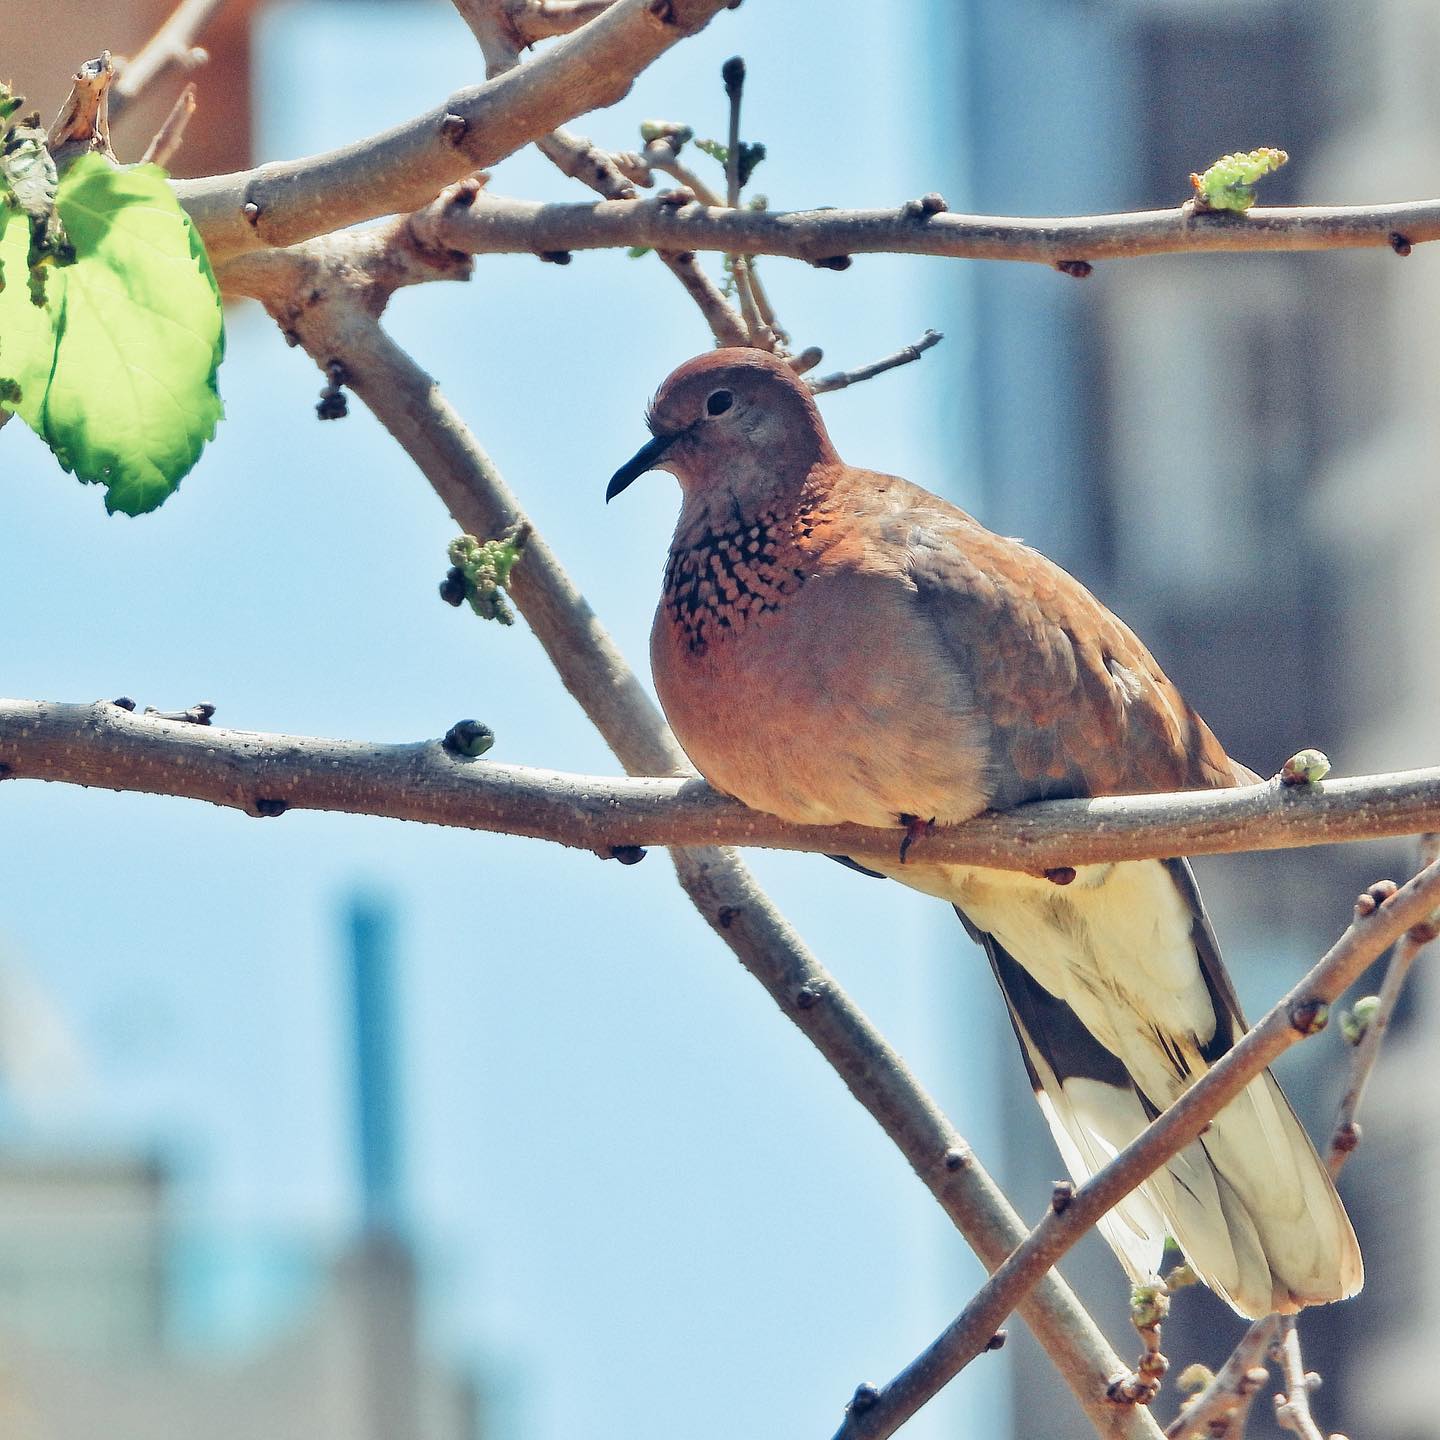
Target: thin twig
1227 1399
733 72
403 168
1292 1409
1298 1014
496 27
826 237
173 44
171 133
71 744
843 378
1231 1391
1346 1134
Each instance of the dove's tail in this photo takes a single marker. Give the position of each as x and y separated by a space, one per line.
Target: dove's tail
1119 1000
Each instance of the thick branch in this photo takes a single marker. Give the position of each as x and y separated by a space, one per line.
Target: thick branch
1300 1013
102 745
502 225
403 168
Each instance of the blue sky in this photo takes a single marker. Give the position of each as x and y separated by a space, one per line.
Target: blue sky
636 1184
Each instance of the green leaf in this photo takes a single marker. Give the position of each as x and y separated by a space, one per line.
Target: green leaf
1229 183
27 330
131 399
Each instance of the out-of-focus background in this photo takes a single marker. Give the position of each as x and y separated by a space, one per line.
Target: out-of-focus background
336 1126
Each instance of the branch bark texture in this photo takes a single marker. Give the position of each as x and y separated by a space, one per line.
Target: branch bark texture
106 746
496 224
402 168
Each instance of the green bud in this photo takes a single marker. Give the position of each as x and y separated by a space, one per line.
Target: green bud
1194 1378
1149 1305
1305 767
1229 183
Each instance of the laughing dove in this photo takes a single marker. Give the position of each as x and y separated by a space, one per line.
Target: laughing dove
833 645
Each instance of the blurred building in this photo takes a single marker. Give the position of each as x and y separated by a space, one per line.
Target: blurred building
95 1339
1238 454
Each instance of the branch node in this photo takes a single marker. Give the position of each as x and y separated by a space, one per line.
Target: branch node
1309 1017
925 206
268 807
1346 1138
833 262
1062 1192
555 257
1076 269
1399 244
454 127
332 404
251 211
958 1159
1369 901
808 996
674 199
864 1397
726 916
628 854
198 714
1305 767
468 739
1061 874
997 1340
124 702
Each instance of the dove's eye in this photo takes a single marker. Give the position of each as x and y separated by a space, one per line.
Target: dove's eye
719 402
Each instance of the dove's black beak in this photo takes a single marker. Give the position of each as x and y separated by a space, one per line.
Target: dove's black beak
646 458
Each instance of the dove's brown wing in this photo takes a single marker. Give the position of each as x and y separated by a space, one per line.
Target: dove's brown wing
1076 704
1114 982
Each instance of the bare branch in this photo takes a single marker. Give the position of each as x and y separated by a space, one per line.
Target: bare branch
173 44
1346 1134
1227 1399
518 23
1232 1390
843 378
501 34
725 325
826 237
402 168
1292 1409
83 745
338 328
1297 1015
171 133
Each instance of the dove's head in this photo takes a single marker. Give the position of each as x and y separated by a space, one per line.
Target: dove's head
736 428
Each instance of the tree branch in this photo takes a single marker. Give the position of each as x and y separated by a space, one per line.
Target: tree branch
501 225
173 44
1231 1392
338 328
103 745
1300 1013
402 168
